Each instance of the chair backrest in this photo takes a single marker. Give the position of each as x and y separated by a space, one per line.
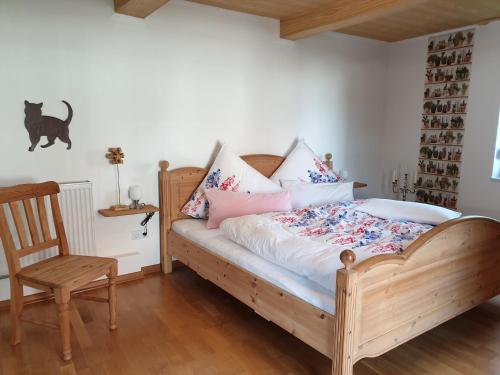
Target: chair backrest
12 197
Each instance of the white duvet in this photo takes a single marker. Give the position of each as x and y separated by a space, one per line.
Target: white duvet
267 238
309 241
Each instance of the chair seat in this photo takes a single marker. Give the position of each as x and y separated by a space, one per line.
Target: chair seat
69 271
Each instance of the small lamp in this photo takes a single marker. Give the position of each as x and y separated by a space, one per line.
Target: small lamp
135 194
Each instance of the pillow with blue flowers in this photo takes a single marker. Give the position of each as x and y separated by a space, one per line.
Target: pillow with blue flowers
230 173
302 164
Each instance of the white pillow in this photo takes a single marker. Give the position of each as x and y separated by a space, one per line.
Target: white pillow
228 172
410 211
304 194
303 164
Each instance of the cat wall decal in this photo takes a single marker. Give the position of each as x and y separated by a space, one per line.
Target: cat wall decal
39 126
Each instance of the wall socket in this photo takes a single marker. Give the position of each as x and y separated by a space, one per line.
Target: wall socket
138 234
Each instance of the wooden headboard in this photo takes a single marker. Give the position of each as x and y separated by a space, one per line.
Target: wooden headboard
177 186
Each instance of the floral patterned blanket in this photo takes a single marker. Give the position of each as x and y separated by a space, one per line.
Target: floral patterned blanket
309 241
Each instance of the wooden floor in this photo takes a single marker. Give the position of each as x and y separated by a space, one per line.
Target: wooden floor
182 324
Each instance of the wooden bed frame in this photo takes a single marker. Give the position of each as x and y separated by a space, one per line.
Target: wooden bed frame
381 302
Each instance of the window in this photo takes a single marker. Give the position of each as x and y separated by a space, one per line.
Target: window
496 157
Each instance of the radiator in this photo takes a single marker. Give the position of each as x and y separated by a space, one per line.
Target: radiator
77 210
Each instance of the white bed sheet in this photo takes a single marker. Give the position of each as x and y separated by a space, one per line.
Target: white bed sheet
213 240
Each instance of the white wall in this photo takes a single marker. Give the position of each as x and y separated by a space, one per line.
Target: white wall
479 194
170 87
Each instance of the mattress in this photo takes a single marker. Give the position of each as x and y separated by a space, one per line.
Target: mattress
214 241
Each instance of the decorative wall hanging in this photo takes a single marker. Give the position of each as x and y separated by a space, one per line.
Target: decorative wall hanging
115 156
444 115
39 126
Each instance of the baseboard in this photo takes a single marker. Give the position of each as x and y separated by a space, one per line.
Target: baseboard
148 270
134 276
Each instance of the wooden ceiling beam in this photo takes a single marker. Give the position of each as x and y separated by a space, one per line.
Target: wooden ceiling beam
343 13
138 8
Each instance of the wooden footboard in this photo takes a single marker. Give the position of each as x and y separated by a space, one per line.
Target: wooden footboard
386 300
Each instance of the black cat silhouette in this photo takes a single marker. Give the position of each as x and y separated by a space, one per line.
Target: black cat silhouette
48 126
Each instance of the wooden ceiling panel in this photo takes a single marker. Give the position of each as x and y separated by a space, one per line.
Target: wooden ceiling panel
343 14
387 20
138 8
427 18
278 9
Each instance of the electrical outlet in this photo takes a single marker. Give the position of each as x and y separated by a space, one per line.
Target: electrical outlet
138 234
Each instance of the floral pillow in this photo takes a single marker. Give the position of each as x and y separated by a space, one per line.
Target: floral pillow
303 164
230 173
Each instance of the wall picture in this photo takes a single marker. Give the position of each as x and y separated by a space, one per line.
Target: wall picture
39 126
444 117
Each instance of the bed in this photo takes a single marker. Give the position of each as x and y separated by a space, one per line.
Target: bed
378 303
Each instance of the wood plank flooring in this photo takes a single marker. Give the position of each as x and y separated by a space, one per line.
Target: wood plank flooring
182 324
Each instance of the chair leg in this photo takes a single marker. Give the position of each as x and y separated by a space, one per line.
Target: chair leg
112 296
62 299
16 309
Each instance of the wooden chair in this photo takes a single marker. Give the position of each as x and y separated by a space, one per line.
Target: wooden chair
59 275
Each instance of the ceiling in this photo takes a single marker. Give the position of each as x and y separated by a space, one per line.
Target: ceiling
386 20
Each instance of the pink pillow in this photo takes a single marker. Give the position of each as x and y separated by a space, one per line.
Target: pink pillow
226 204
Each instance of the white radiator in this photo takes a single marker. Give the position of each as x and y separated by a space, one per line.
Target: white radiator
78 215
77 210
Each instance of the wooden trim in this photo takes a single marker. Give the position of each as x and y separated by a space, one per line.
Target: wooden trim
59 225
165 220
266 164
20 192
42 214
107 212
385 259
98 284
342 14
90 298
103 283
138 8
149 270
346 300
394 298
486 21
18 222
8 244
37 247
30 217
359 185
40 323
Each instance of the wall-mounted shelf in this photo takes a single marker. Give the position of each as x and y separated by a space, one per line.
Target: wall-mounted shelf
106 212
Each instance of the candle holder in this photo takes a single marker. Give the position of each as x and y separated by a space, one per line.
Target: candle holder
405 189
